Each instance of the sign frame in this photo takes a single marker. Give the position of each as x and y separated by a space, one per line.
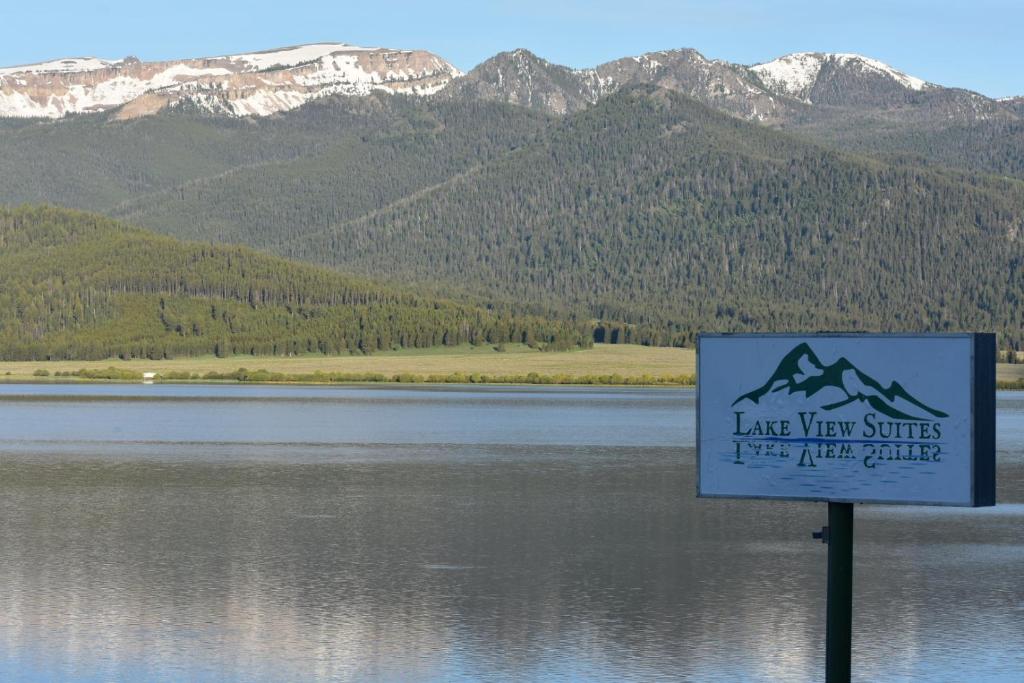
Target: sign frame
982 415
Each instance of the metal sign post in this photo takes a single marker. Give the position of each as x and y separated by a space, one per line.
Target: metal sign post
839 594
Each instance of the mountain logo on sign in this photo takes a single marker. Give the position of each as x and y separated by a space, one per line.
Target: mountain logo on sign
800 371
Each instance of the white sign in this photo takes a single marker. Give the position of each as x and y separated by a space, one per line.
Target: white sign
847 418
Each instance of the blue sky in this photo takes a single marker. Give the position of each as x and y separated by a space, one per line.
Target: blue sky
976 44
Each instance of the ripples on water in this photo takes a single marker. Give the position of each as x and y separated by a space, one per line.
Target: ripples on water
289 533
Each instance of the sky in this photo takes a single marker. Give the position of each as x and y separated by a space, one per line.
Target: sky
975 44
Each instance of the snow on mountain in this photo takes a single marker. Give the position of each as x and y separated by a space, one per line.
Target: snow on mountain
252 84
292 56
271 81
71 64
797 74
793 74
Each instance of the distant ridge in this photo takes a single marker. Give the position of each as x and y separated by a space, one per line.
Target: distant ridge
262 83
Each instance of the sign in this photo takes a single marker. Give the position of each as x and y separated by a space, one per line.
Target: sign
866 418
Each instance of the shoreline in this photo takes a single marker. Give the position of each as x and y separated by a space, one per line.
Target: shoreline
394 385
454 380
539 380
1010 387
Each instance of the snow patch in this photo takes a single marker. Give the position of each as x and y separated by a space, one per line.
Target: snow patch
796 74
69 65
183 72
292 56
792 74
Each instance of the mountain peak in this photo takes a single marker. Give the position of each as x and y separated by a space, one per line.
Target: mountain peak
800 74
523 53
522 59
520 77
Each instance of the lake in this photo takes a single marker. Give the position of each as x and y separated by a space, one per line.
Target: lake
258 533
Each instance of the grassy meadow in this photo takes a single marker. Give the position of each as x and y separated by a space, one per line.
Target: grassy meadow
603 364
1010 376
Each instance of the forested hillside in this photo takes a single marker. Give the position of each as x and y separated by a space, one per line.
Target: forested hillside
646 207
372 152
80 286
200 176
993 145
652 208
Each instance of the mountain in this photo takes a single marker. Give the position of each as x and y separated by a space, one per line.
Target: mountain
860 104
837 79
647 208
264 83
844 100
651 208
790 88
716 83
800 371
79 286
848 101
257 181
522 78
253 84
842 85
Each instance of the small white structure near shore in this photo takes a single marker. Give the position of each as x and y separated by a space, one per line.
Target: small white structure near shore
148 377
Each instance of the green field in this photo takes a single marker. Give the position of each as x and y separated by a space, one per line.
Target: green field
601 364
1010 376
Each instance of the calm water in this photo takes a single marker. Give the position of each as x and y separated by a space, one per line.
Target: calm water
208 533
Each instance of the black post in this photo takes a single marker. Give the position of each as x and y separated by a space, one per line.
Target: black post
839 609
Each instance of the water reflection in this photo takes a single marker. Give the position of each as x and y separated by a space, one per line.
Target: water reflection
562 559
